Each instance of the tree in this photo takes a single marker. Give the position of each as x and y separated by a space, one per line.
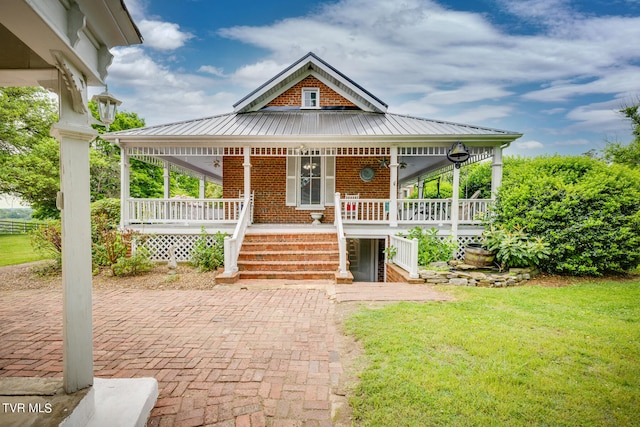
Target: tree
629 155
29 156
26 114
105 156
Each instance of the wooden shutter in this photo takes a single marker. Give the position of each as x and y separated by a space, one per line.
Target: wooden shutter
329 180
292 181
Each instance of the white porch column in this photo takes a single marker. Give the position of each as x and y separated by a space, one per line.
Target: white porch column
247 172
203 184
393 188
167 180
455 202
125 186
74 133
496 171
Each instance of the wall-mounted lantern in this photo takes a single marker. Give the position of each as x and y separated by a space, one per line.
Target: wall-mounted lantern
458 154
107 104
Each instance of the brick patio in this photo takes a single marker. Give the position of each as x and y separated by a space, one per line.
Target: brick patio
227 357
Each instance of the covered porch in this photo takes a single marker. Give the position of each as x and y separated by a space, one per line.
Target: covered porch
178 222
389 208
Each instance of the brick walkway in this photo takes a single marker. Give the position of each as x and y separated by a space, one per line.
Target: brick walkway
227 357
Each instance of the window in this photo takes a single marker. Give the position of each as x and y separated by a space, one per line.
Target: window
310 98
310 181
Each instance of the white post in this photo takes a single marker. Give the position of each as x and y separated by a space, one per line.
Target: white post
413 263
203 182
125 186
496 172
167 180
247 173
455 202
393 188
74 133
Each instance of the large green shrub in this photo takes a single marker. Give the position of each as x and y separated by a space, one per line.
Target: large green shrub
109 208
137 263
431 248
47 240
587 211
208 252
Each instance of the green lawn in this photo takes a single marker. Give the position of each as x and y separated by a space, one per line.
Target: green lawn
525 356
16 249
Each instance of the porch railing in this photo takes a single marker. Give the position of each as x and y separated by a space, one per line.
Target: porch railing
406 254
167 211
351 211
342 240
233 244
411 211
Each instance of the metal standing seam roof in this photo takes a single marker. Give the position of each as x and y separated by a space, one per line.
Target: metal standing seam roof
310 123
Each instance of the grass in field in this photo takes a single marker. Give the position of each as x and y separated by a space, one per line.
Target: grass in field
519 357
16 249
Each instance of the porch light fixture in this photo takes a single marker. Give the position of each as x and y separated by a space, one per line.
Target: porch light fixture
310 166
458 154
107 104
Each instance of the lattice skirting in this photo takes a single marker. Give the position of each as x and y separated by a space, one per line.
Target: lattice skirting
463 241
158 245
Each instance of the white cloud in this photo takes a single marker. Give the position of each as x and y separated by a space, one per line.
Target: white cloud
210 69
254 75
573 142
163 35
422 43
619 81
481 114
467 93
416 55
599 117
528 145
164 95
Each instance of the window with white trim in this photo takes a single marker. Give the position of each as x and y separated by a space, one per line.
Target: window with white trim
310 181
310 97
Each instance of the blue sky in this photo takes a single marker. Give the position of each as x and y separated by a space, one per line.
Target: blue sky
556 70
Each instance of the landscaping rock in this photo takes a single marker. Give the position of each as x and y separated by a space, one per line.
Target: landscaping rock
438 264
465 267
477 275
460 276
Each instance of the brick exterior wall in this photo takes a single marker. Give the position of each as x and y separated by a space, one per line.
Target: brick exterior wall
268 182
293 96
348 178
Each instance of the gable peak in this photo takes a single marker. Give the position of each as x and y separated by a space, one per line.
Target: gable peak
310 65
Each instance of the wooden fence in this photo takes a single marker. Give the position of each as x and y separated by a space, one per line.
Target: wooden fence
18 226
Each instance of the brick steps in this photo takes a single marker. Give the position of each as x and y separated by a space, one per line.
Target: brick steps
289 266
291 255
298 246
288 256
288 275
